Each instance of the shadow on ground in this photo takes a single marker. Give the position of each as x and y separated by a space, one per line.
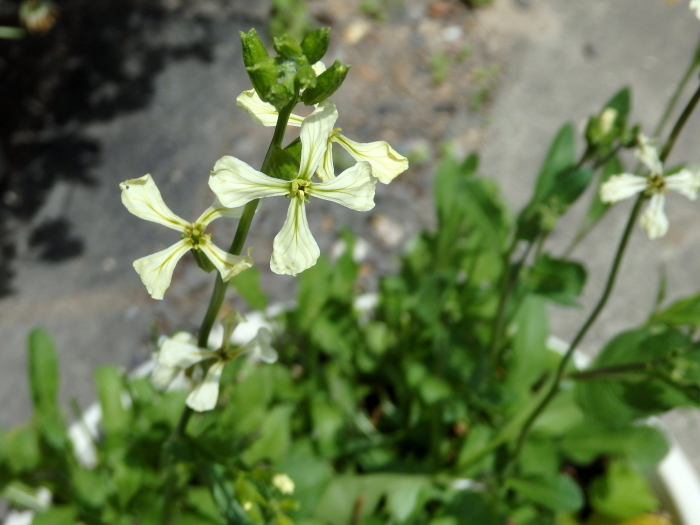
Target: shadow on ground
98 61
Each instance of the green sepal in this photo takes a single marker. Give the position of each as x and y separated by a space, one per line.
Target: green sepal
287 46
327 83
305 78
203 261
279 96
284 163
315 44
261 68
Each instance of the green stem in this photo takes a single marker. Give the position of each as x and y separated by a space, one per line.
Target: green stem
679 89
680 123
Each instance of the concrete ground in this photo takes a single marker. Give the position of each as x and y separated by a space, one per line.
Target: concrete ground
564 60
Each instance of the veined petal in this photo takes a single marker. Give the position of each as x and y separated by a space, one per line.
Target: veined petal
203 397
654 219
217 210
386 162
235 183
623 186
162 376
354 188
228 265
260 347
294 248
648 155
156 270
142 198
314 137
263 112
326 170
685 182
177 353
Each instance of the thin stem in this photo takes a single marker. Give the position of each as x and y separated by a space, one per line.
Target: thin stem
679 89
612 276
680 123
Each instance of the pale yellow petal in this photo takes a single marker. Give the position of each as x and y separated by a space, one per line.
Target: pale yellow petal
235 183
260 348
623 186
314 137
386 162
182 354
695 6
156 271
217 210
142 198
354 188
294 248
685 182
326 170
647 155
654 219
204 396
263 112
228 265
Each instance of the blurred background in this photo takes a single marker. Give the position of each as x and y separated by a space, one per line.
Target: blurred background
94 93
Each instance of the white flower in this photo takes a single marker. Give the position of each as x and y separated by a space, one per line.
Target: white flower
385 161
283 483
294 248
695 6
625 185
142 198
180 352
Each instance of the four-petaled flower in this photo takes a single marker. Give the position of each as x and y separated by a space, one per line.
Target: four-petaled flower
655 185
142 198
294 249
180 352
385 161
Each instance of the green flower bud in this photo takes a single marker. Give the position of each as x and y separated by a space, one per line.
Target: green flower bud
326 84
287 46
315 44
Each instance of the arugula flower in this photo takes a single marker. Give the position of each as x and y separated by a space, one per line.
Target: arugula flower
655 185
695 6
180 352
142 198
294 249
385 161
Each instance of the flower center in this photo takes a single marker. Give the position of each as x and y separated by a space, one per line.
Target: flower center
300 188
656 184
195 233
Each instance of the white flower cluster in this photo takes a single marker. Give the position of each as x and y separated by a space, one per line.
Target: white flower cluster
235 183
655 185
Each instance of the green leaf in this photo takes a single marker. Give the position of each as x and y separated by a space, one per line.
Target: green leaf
622 493
91 487
559 493
529 344
327 83
43 371
311 476
23 451
559 280
315 44
560 158
223 495
641 444
274 437
621 102
248 285
110 387
284 163
313 292
684 312
56 515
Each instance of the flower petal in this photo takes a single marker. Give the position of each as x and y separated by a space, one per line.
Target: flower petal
235 183
217 210
260 347
695 6
175 352
647 155
205 394
263 112
142 198
228 265
623 186
163 376
354 188
685 182
315 131
294 248
156 270
326 170
386 162
654 219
